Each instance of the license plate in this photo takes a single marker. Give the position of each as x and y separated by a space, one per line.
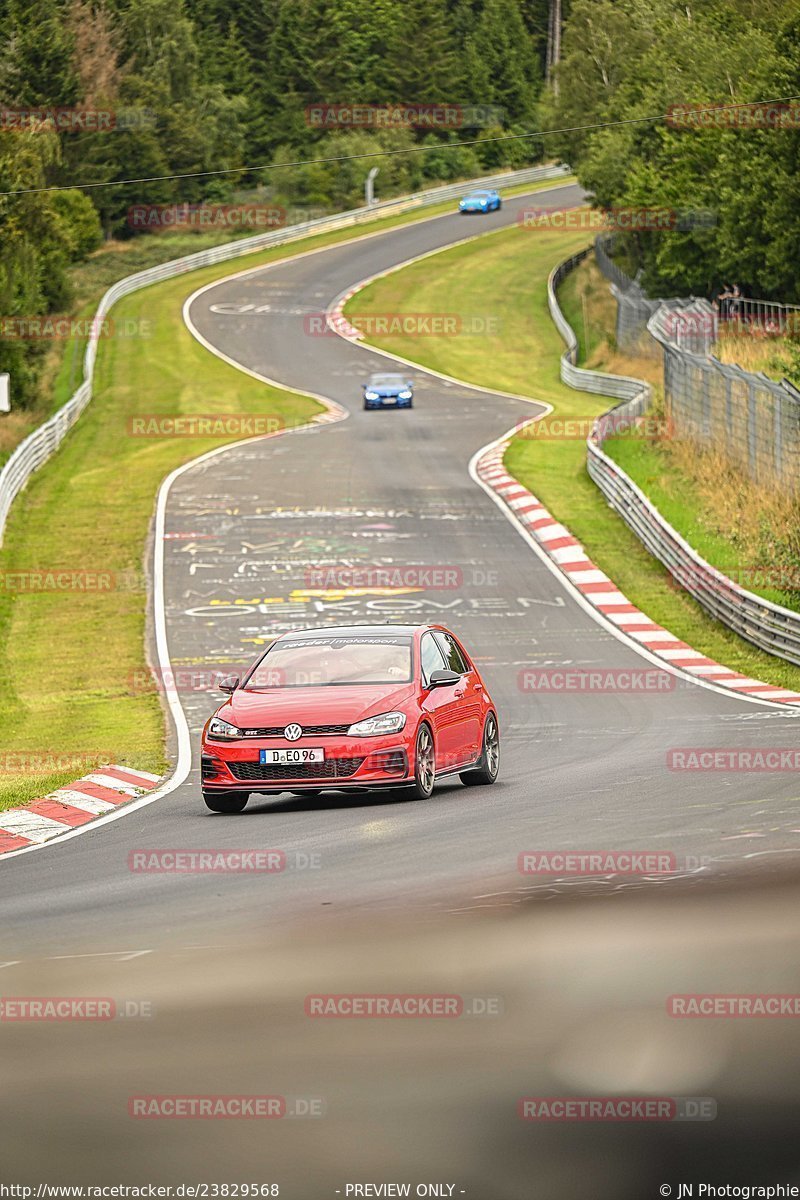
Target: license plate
293 755
390 399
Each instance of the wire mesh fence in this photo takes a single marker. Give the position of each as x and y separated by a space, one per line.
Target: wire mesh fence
769 626
752 419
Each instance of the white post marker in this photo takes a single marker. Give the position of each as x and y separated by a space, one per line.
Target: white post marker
5 392
369 186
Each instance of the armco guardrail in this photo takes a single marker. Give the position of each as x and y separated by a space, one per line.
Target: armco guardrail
768 626
583 380
752 419
39 445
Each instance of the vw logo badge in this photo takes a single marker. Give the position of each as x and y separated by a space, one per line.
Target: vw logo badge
292 733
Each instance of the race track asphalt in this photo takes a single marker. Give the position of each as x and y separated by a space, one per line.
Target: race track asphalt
388 896
578 771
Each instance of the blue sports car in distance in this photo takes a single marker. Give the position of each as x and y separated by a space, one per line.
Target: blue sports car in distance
480 202
388 391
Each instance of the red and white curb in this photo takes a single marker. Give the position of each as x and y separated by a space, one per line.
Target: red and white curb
567 554
87 798
602 593
336 320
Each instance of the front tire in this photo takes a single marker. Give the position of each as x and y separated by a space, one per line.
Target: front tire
226 802
489 766
424 765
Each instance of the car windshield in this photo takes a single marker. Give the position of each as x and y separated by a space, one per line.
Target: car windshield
323 661
479 196
387 381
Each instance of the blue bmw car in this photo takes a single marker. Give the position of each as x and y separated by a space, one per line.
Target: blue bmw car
480 202
388 391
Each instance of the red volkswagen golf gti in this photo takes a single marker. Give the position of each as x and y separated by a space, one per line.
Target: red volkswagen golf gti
356 707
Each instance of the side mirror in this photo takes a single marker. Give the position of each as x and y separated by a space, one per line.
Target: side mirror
228 683
443 679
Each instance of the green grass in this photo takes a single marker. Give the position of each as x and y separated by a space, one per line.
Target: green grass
67 659
578 304
506 274
683 499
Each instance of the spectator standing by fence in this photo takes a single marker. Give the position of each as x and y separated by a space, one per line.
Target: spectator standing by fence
724 299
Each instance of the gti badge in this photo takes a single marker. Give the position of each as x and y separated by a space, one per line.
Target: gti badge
292 733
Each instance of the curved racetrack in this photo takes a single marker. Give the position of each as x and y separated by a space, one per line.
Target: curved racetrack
389 907
578 771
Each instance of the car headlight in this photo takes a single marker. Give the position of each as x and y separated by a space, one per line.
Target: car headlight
391 722
370 395
223 730
405 394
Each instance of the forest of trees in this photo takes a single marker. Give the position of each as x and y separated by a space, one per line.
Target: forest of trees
204 86
631 58
200 85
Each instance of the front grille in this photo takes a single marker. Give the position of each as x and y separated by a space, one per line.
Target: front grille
308 730
332 768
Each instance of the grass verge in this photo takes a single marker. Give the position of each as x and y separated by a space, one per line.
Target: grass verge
776 356
505 274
